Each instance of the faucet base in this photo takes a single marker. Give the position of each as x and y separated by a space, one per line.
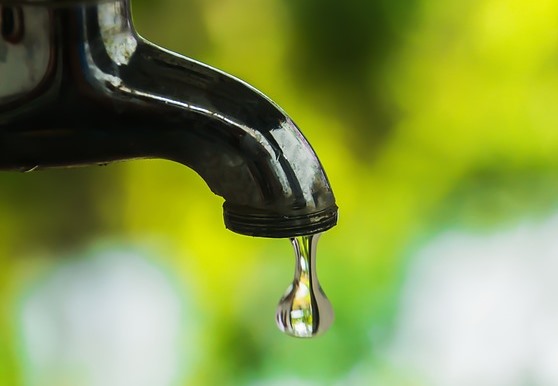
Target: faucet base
248 221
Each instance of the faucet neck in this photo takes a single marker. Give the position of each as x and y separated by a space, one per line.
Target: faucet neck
80 87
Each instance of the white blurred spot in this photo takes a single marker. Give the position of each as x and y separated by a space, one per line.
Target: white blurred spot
110 320
286 382
482 310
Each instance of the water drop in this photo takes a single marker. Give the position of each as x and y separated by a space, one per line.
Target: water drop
304 311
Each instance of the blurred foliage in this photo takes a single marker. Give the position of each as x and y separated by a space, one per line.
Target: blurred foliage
426 115
342 50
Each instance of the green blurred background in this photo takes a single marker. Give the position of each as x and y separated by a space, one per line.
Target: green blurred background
436 122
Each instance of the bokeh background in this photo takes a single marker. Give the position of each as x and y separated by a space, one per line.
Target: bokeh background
436 122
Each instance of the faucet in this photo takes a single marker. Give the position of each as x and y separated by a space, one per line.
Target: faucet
79 86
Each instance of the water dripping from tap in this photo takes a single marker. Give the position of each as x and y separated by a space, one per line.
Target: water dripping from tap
304 310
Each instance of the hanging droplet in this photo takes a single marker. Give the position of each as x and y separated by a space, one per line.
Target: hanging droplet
304 311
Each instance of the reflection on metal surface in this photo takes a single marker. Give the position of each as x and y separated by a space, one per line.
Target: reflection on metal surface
113 25
25 51
11 24
81 87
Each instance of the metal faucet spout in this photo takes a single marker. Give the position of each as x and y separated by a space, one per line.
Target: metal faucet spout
78 86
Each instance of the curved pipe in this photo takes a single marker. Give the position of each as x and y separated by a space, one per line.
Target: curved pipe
92 91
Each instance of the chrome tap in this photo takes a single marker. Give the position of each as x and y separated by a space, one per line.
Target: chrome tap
79 86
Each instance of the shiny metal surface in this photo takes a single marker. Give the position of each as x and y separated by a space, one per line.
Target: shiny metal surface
78 86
